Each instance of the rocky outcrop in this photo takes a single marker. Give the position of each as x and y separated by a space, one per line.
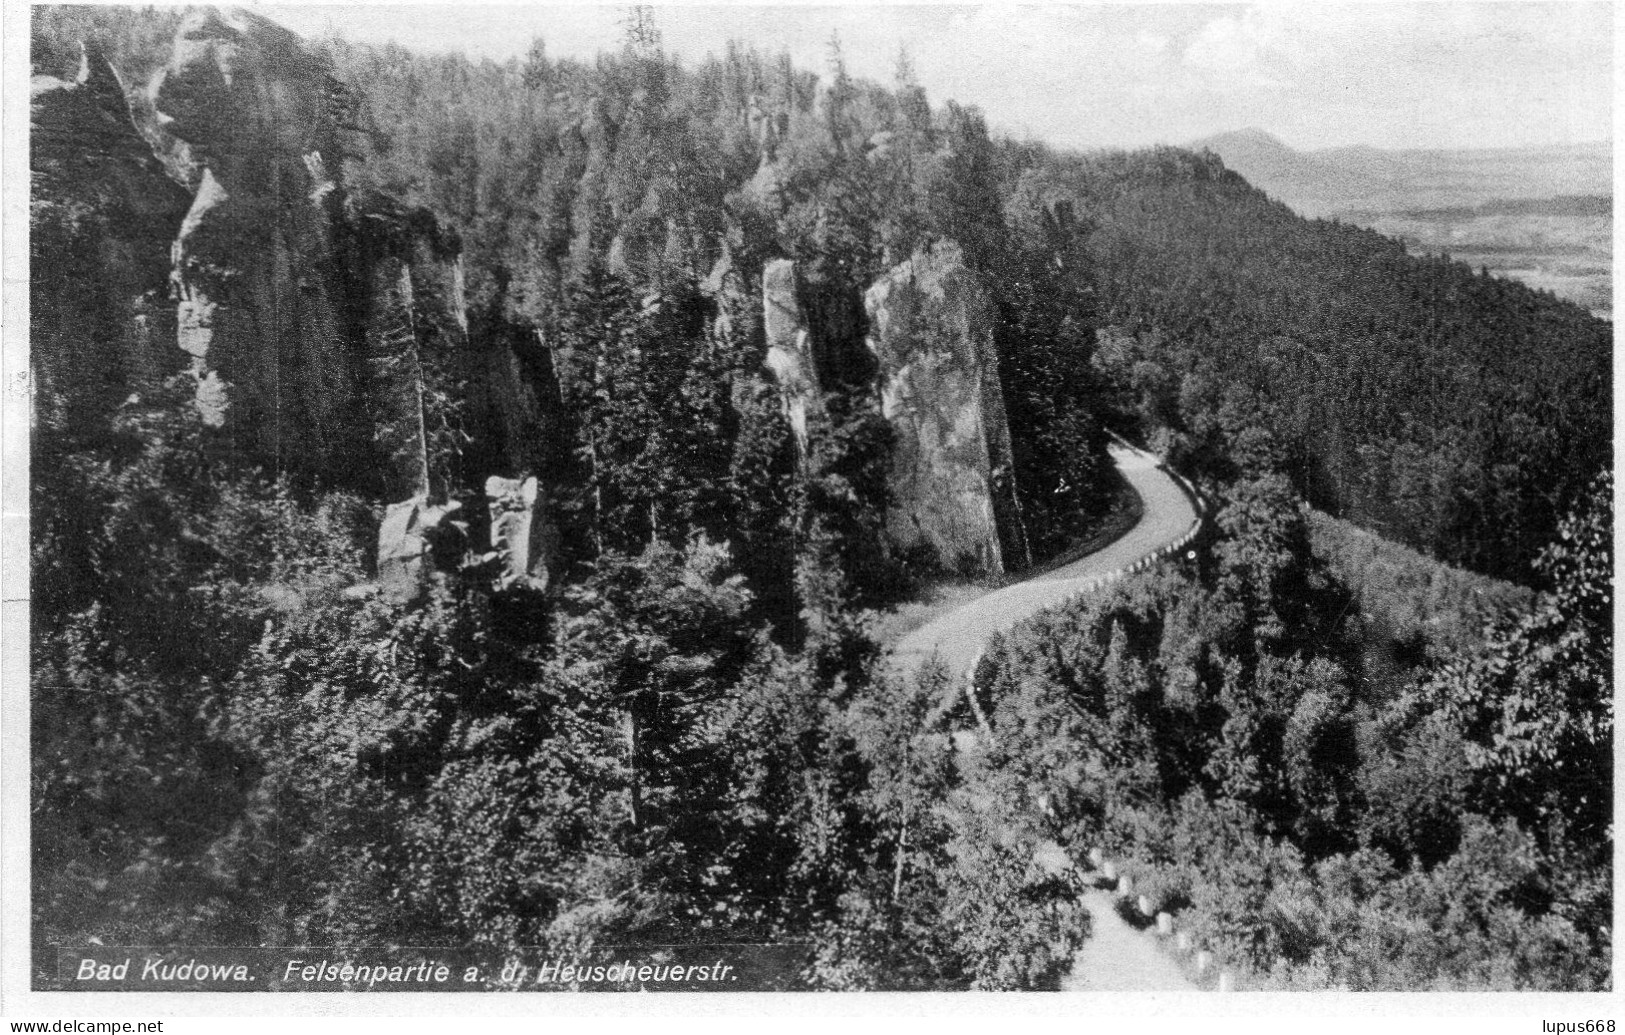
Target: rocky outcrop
931 330
321 324
516 400
931 357
260 292
522 532
310 313
103 216
789 350
406 539
306 310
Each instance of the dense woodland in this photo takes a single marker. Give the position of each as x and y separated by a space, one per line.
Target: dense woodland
1222 726
229 748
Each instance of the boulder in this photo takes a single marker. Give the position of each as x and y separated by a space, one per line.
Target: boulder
931 332
404 541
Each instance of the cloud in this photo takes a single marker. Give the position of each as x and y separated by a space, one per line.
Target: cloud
1258 45
1151 44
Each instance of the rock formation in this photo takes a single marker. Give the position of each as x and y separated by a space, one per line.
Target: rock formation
322 323
394 375
405 539
404 281
103 217
302 306
931 355
256 273
931 329
310 312
789 350
317 320
522 532
516 399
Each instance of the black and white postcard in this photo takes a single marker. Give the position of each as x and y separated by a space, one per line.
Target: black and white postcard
1100 499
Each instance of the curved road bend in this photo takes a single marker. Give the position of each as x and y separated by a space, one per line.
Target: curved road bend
1115 957
960 635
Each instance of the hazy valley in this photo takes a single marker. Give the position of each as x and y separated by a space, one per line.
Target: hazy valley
1543 216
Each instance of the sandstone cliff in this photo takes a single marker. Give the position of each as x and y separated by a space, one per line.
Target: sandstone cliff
931 329
103 218
322 325
789 350
935 370
261 293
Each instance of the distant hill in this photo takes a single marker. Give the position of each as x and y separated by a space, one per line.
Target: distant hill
1306 183
1332 181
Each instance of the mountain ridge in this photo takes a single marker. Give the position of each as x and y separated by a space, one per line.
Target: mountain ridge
1328 181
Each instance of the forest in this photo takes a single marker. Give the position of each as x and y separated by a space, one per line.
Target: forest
692 735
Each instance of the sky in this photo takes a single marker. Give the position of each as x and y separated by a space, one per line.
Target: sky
1392 75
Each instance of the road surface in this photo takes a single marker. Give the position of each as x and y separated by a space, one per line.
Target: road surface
960 636
1116 957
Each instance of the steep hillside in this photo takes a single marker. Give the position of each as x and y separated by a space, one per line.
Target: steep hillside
1448 410
1407 610
1408 395
1540 216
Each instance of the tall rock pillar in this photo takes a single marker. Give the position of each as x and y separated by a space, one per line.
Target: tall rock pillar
103 218
789 350
255 271
931 330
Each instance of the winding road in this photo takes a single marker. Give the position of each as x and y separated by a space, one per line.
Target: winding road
1116 957
960 636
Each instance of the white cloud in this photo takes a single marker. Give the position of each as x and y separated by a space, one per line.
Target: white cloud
1257 45
1151 43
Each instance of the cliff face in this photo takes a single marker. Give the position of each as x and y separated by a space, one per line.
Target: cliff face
930 333
789 350
931 329
401 285
308 311
103 217
313 317
261 294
